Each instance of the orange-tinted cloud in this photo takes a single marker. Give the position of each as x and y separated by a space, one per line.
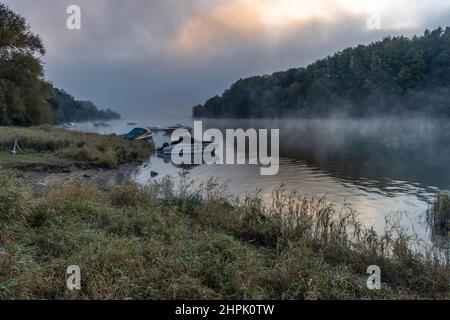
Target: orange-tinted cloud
228 22
239 20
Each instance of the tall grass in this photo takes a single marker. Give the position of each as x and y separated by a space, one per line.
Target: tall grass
155 242
438 216
82 148
438 220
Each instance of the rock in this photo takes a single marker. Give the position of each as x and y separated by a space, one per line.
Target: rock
86 175
153 174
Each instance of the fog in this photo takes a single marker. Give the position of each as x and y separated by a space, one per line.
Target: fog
415 150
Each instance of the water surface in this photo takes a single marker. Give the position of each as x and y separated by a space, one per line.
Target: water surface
376 166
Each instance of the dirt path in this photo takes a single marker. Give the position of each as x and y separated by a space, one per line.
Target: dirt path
101 177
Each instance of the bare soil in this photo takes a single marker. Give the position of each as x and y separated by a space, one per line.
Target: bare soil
103 178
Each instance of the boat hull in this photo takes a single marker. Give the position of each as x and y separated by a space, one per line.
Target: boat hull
185 148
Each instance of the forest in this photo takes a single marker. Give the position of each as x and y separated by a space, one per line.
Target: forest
66 109
398 75
26 98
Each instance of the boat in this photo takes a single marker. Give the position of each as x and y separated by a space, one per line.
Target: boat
131 123
68 125
139 134
156 129
101 124
178 126
183 147
180 146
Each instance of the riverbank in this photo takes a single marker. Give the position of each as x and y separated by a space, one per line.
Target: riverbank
157 243
50 149
50 157
102 178
162 242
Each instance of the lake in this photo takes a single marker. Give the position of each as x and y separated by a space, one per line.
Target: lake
378 167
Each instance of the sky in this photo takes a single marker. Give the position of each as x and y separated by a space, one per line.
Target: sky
158 58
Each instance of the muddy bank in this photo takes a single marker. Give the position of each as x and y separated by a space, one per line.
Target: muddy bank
102 178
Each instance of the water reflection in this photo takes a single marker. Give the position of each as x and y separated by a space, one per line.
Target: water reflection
376 166
383 150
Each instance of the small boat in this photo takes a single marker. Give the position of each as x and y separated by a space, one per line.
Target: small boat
179 146
101 124
183 147
156 129
131 123
139 134
178 126
68 125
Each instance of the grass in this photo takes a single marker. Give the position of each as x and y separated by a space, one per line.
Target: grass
438 217
47 147
155 242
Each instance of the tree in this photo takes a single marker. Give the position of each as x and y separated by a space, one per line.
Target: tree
23 92
25 98
392 75
66 109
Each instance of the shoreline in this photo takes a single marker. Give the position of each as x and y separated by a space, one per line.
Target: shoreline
155 243
50 157
102 178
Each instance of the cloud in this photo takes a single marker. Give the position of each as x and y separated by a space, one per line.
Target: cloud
152 56
238 21
250 21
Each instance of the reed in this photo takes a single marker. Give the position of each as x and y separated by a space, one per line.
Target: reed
158 242
438 217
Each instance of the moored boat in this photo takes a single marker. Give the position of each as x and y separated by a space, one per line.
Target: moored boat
176 127
156 129
101 124
139 134
194 147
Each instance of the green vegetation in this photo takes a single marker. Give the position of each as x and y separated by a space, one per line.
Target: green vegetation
25 98
392 76
154 243
46 147
23 93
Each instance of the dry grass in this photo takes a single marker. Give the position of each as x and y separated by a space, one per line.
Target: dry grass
53 147
439 215
154 243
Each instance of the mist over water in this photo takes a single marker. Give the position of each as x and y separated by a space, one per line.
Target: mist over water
378 167
410 150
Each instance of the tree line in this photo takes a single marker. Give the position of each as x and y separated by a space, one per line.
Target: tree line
26 99
66 109
392 76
